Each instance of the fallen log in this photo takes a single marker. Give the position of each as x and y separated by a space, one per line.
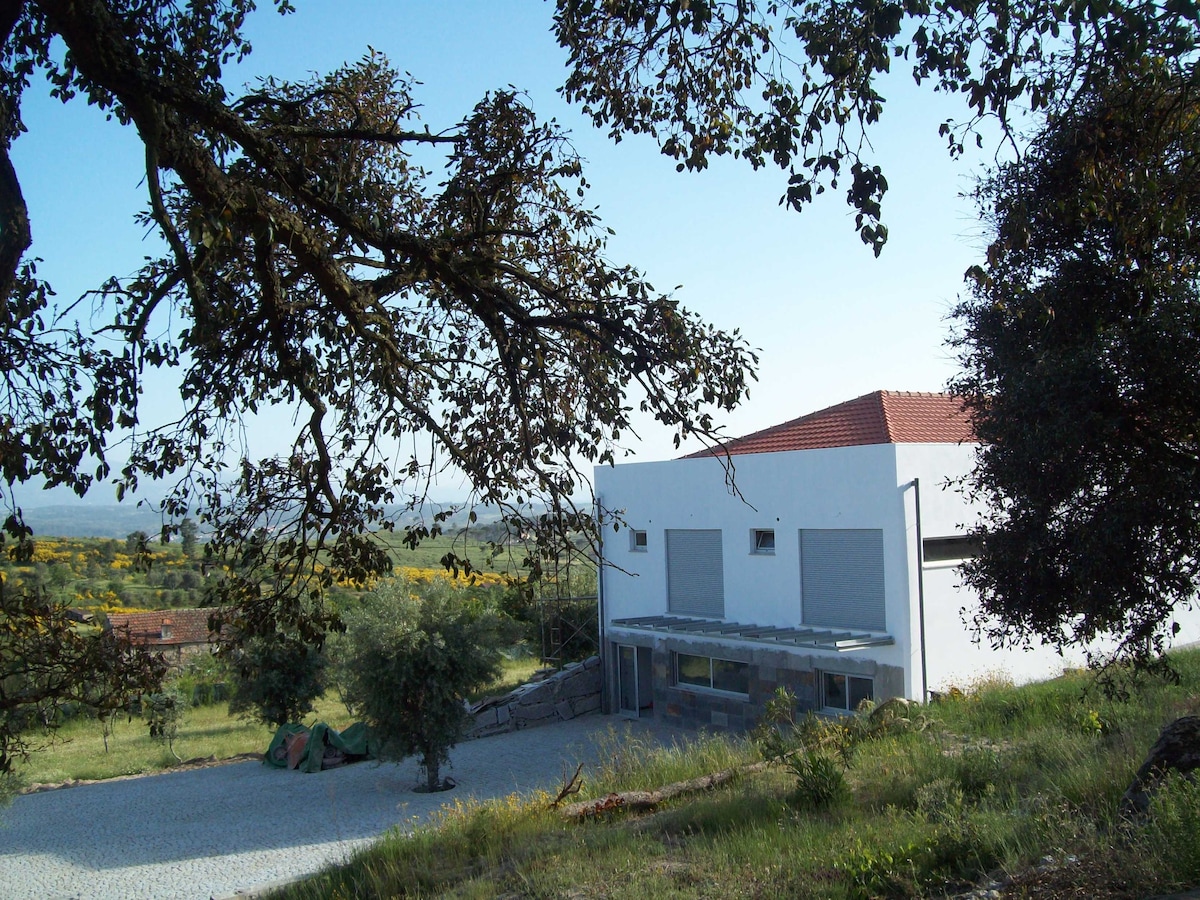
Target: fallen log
643 801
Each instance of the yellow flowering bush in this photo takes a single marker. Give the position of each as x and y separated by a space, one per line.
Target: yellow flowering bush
50 552
427 576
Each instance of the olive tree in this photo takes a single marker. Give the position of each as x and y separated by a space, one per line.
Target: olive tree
278 678
407 662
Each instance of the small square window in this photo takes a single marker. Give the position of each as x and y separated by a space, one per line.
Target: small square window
763 540
638 542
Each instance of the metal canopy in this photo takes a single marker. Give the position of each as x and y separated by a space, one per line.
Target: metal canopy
809 638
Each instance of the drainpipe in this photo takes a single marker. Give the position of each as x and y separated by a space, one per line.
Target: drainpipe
916 483
603 648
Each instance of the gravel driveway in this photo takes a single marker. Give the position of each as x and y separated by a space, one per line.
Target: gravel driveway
213 832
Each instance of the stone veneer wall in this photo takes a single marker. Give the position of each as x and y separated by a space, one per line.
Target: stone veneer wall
702 709
570 692
770 668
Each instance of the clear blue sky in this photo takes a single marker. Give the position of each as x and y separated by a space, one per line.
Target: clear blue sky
831 321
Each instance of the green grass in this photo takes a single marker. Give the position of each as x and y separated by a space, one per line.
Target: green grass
959 794
77 750
515 672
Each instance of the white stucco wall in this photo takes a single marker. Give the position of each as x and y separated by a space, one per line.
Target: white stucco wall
851 487
846 487
952 655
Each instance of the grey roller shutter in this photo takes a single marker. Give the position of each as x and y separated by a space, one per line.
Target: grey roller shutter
695 572
841 577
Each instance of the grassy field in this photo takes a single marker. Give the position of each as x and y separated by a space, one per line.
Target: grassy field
429 553
1011 788
78 749
581 575
79 752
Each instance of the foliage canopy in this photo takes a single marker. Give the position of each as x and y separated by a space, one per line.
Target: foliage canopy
800 84
415 316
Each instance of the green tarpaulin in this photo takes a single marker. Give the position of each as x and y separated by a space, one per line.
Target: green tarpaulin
320 747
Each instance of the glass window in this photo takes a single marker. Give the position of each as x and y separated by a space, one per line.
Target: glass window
845 693
695 670
860 689
835 691
950 549
638 539
764 540
731 676
717 674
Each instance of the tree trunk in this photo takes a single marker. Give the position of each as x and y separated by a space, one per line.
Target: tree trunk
432 782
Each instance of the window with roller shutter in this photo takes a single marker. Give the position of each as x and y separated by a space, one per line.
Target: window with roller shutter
695 572
841 577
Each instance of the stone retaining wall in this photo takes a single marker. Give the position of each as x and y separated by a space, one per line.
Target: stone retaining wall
568 693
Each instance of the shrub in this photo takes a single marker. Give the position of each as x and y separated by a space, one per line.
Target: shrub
204 680
164 713
1171 835
820 780
978 771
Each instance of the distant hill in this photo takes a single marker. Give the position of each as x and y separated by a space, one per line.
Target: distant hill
87 520
115 520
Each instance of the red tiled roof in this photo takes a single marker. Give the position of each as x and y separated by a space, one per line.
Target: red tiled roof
881 417
182 626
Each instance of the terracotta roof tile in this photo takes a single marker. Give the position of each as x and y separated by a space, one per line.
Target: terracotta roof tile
881 417
166 627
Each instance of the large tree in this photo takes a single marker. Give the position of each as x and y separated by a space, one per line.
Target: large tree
414 316
1080 345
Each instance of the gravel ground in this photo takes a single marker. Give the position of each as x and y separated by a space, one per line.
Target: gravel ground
214 832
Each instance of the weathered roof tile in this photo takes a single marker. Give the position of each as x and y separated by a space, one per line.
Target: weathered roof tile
881 417
166 627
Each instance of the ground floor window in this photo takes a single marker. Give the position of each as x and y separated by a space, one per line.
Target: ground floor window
844 693
712 673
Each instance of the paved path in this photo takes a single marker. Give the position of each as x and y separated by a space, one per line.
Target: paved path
212 832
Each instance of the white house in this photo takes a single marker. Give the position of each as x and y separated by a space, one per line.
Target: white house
830 569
